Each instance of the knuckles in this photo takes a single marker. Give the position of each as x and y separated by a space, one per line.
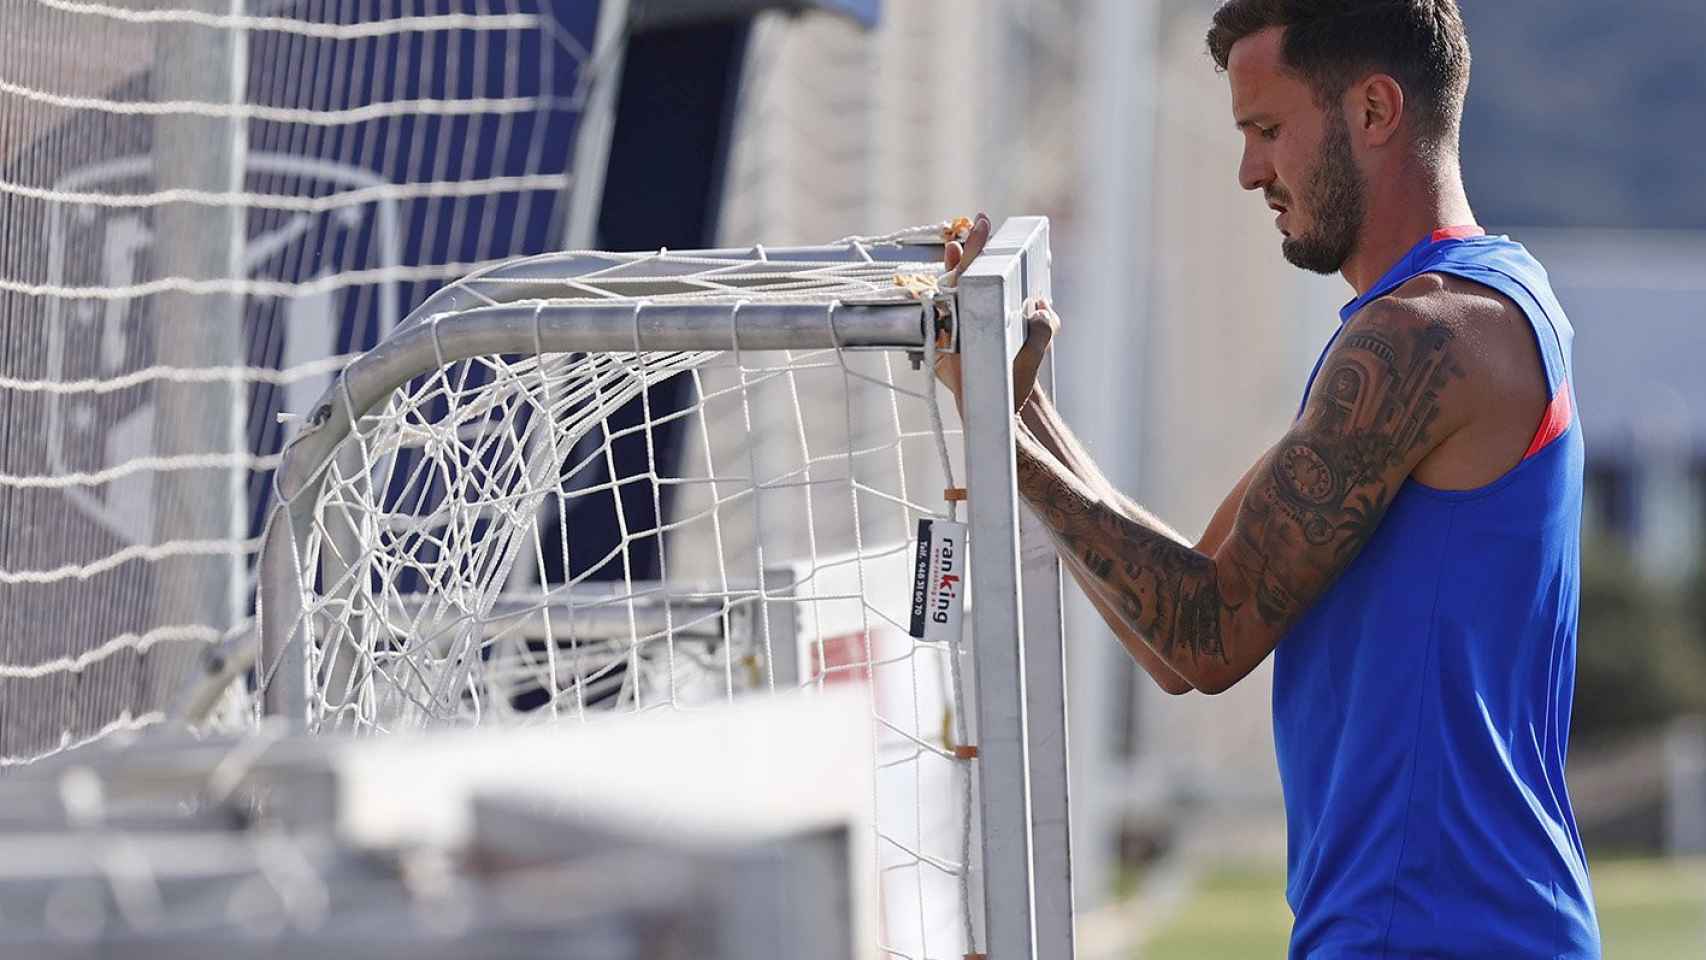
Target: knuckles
1041 323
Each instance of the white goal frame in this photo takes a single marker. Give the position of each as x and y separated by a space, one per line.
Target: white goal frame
1022 867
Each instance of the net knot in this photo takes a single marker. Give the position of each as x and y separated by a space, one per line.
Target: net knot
919 286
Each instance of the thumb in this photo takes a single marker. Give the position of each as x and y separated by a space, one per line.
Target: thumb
963 254
1041 324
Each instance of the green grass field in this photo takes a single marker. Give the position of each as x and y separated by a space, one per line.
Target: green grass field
1648 910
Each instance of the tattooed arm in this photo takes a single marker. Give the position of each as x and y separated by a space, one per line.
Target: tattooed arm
1043 423
1220 525
1385 399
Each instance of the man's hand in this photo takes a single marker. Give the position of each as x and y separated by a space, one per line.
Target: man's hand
1041 323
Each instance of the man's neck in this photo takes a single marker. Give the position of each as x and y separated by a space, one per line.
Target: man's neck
1409 209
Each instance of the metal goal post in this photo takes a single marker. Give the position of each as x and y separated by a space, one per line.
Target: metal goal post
1021 867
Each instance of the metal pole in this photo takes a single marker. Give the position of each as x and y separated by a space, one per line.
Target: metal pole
1107 341
1045 700
990 332
597 124
203 65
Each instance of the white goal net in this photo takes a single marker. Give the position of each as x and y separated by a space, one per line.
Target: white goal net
548 497
208 207
568 486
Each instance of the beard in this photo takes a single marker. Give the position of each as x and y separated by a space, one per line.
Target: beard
1335 194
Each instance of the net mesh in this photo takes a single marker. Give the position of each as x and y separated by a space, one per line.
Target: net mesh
208 208
531 537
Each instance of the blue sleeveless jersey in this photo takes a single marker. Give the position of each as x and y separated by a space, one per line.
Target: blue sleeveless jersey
1422 706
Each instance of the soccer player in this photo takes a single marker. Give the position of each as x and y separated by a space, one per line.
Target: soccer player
1408 552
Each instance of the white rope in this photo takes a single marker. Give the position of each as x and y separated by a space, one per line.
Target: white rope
188 461
304 28
924 233
136 552
328 117
170 374
931 397
342 199
128 642
840 280
222 286
123 723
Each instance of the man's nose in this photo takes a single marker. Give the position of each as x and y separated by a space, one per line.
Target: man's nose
1254 171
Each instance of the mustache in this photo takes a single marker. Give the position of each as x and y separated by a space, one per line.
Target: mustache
1275 195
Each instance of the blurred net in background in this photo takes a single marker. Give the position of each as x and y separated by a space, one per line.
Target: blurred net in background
206 213
521 844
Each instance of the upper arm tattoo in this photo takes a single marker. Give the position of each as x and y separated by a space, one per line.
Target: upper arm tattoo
1309 509
1371 416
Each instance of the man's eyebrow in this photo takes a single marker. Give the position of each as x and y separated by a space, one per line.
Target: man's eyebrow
1255 120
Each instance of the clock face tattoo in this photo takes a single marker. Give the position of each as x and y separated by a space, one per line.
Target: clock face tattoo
1317 530
1306 475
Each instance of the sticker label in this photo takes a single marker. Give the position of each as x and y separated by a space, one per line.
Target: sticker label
938 581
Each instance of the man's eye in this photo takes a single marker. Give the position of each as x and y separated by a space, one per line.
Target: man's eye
1269 133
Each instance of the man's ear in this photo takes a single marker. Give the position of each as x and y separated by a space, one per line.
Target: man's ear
1377 108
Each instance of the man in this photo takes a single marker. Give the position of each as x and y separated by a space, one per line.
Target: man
1408 551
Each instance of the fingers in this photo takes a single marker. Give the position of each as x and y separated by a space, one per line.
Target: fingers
980 230
948 372
1041 324
958 256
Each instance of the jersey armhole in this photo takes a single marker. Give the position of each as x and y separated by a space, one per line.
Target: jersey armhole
1560 412
1556 421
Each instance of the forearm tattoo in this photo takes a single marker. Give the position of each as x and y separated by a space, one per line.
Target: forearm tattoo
1307 514
1167 593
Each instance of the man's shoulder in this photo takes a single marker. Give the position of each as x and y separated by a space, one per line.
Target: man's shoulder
1488 335
1498 381
1455 302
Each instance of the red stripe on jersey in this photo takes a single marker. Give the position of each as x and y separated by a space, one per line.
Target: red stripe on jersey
1458 233
1560 413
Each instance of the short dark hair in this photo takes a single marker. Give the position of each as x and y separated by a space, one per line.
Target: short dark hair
1333 43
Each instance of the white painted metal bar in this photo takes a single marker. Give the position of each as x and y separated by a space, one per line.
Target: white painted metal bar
1045 691
203 243
602 76
990 296
1107 341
